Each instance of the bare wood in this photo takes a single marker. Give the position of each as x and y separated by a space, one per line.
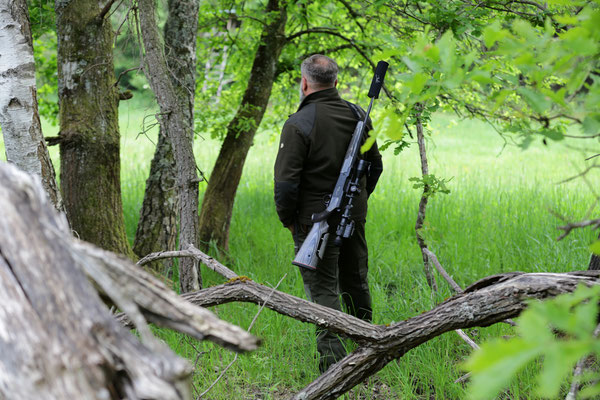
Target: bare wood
62 341
162 306
58 339
191 251
432 257
463 378
595 223
467 339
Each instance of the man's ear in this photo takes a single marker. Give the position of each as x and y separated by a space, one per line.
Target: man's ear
335 83
304 84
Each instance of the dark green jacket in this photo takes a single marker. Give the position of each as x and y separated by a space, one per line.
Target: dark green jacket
313 144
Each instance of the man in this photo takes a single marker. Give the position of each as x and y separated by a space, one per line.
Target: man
313 144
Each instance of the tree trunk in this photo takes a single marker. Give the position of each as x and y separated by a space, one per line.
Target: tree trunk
23 139
594 261
58 340
424 199
157 229
215 216
174 121
89 125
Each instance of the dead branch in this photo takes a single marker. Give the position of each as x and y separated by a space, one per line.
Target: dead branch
63 342
431 256
487 301
191 251
479 305
595 223
162 306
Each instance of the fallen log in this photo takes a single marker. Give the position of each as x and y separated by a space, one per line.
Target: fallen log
57 339
488 301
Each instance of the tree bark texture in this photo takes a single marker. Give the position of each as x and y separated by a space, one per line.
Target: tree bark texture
89 125
217 206
57 339
423 202
174 122
157 228
19 117
594 261
490 300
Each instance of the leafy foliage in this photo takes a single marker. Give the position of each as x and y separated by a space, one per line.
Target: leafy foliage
556 332
431 184
526 71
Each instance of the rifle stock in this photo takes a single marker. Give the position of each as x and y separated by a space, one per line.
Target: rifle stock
313 247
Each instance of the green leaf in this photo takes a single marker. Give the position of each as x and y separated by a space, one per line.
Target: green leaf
559 361
495 363
525 31
368 144
591 124
417 83
566 19
447 48
391 123
500 97
554 133
482 77
493 33
533 325
595 247
537 101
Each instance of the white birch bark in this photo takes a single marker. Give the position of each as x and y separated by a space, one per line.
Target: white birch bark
19 117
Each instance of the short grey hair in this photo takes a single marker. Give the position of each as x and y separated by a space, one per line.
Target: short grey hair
320 70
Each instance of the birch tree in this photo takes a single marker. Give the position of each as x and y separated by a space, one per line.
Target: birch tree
19 117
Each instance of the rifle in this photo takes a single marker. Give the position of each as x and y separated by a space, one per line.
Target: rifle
344 192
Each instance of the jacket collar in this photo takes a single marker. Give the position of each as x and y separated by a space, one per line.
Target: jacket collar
320 96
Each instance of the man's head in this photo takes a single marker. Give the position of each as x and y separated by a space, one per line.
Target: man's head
318 72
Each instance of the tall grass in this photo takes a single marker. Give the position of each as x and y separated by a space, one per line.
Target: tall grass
497 218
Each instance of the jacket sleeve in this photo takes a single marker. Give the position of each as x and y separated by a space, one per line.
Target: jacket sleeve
293 148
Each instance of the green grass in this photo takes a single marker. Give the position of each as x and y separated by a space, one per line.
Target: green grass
496 219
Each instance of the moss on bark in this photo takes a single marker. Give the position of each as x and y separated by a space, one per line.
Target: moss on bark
89 129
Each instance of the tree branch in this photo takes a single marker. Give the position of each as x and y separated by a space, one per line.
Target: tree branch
106 9
328 31
487 301
575 225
